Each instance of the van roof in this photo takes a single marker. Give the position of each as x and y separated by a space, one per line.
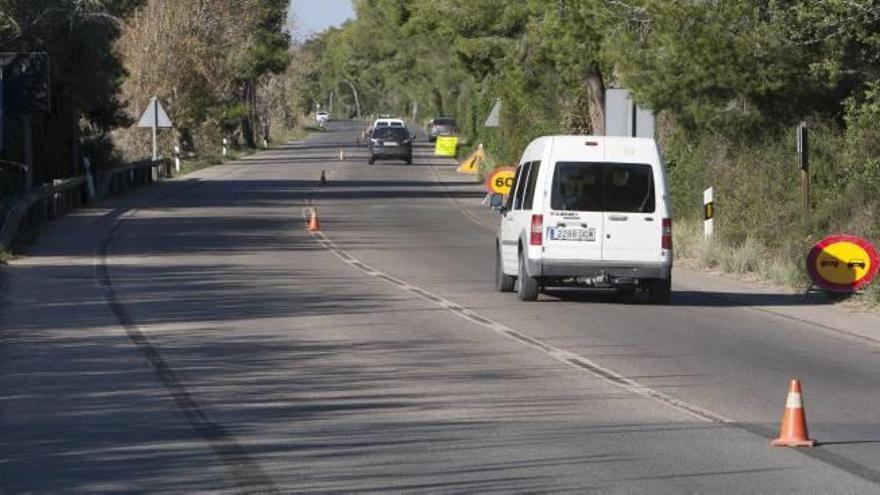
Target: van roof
607 140
569 147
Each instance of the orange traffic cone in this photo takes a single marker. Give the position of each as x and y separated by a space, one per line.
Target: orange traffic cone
793 431
314 224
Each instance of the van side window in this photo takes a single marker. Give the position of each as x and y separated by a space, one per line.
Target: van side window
530 185
516 179
521 185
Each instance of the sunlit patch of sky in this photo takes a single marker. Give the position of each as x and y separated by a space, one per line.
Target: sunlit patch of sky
313 16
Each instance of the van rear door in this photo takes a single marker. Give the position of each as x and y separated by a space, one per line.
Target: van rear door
633 223
574 227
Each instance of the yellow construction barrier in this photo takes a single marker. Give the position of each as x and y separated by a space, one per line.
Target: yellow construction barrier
446 146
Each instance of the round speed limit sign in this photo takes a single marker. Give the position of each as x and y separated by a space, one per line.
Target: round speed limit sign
501 180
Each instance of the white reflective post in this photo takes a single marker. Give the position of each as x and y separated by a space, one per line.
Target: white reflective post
708 213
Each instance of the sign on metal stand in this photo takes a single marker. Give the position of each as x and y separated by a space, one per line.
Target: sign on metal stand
154 117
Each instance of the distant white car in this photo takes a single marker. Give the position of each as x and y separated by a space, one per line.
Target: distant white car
388 123
321 118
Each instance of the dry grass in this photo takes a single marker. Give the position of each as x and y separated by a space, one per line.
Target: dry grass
747 258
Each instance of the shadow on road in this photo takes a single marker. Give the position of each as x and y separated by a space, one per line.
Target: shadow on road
686 298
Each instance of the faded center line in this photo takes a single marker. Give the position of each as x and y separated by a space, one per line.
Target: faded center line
566 357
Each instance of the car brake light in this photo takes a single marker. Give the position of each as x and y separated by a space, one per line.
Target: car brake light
537 238
666 243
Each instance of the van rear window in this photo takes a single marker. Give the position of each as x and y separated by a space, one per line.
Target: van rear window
590 186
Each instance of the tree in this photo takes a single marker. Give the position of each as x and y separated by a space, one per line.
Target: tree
85 103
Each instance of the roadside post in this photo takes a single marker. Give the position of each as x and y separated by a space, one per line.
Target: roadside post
176 159
708 213
90 179
225 147
803 151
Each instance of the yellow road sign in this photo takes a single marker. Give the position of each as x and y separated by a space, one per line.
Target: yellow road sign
471 164
446 146
501 180
842 263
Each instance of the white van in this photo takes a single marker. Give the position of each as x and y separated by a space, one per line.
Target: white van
586 211
387 122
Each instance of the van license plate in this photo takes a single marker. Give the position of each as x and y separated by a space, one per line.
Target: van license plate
559 234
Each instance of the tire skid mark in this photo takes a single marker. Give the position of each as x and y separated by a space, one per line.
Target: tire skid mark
245 473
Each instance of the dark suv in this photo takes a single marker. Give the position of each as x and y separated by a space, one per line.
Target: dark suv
390 142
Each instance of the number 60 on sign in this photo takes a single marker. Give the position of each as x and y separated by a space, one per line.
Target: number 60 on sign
500 181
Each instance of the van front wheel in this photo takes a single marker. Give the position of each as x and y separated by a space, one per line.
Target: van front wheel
660 290
526 286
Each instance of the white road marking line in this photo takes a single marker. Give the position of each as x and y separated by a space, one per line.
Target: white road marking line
561 355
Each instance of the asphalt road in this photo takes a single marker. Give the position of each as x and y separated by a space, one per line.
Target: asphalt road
194 337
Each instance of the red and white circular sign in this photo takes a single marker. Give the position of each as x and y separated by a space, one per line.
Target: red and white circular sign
842 263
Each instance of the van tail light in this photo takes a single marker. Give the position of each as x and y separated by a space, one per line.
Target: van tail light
666 243
537 237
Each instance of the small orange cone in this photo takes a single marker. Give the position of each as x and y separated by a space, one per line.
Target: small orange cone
314 224
793 431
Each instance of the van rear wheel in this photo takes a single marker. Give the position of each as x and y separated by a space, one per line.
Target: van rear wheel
526 286
503 283
660 290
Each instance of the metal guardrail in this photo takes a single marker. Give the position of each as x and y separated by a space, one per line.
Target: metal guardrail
50 201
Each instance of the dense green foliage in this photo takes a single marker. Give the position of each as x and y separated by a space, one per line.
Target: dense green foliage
85 102
728 80
219 66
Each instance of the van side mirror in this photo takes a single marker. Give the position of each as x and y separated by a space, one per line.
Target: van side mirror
496 202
